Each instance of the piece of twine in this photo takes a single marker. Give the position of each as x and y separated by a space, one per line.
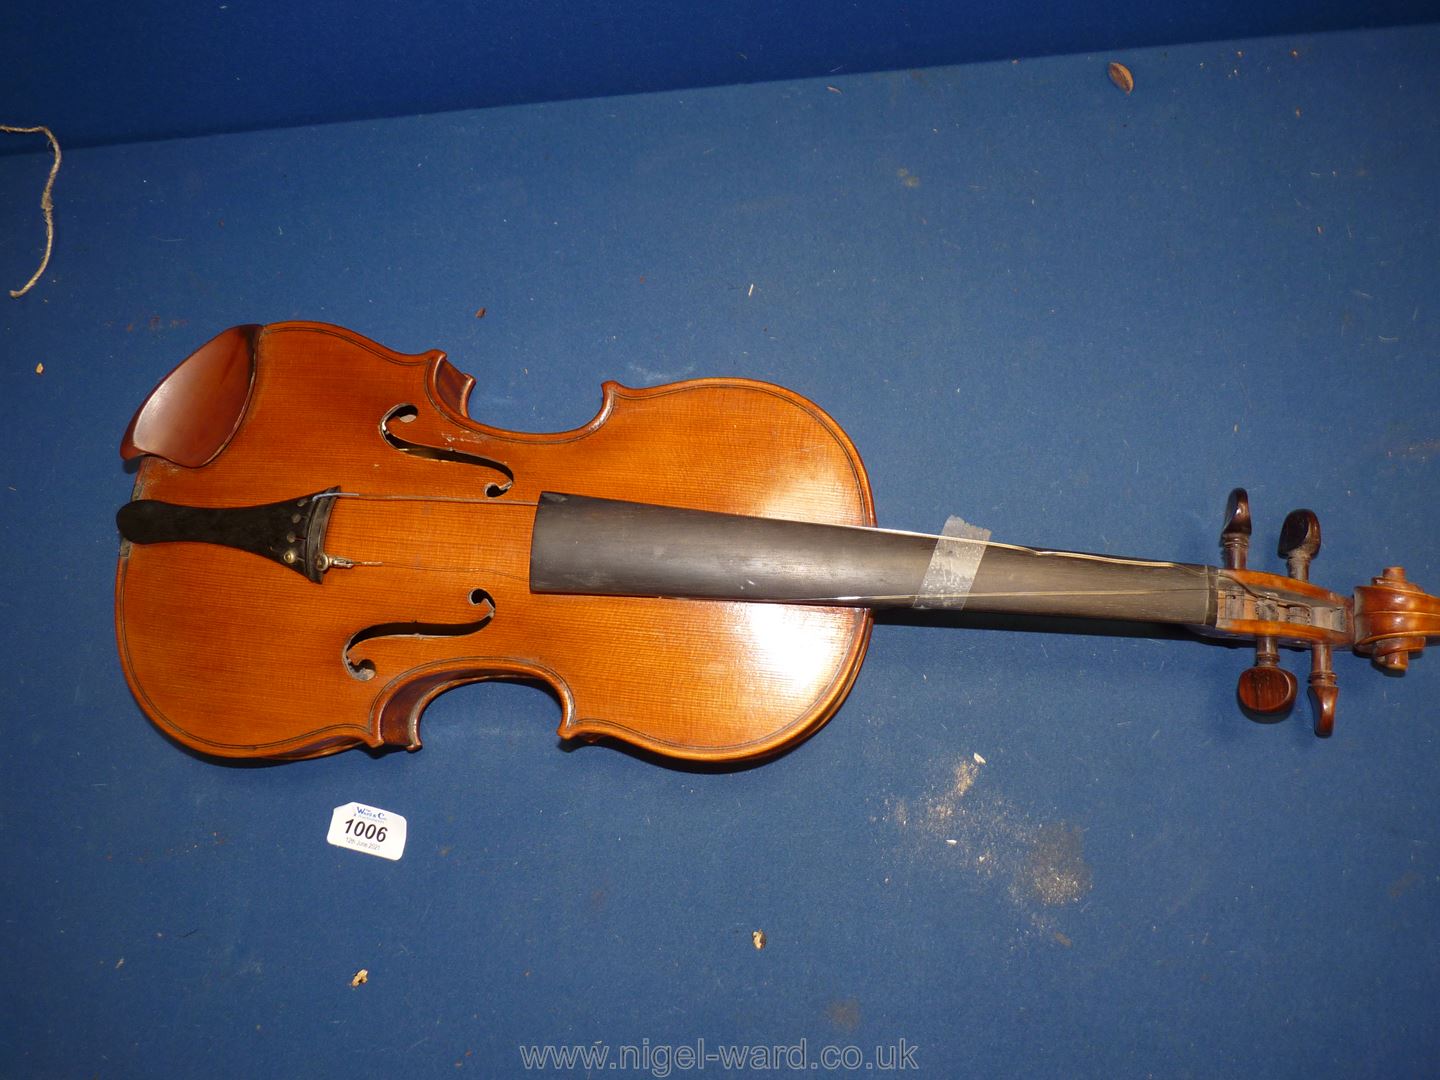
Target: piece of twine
47 205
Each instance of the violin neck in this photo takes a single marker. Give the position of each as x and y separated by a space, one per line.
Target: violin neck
610 548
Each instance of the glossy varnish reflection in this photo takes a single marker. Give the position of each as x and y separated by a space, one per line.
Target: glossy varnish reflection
430 569
237 656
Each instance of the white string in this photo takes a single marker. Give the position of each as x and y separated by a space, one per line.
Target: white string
910 598
47 205
1113 559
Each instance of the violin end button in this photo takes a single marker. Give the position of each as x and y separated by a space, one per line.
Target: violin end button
1265 691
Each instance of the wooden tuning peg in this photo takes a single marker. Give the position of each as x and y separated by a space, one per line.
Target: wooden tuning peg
1265 690
1300 542
1323 690
1235 534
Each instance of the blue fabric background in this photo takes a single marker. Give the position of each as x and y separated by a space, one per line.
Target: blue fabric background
105 73
1075 317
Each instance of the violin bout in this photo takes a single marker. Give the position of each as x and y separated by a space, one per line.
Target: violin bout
247 630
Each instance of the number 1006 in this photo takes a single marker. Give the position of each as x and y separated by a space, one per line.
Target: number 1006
365 830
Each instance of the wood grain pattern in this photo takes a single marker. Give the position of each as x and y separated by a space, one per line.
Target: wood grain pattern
428 549
1289 632
1394 618
235 656
190 417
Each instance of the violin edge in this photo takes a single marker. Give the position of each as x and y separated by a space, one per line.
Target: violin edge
300 725
194 411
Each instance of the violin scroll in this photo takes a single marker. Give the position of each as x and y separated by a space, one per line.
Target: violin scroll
1393 617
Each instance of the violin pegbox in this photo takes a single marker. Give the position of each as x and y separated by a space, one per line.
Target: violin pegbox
1267 691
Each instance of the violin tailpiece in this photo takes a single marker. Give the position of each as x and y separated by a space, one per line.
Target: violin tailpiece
291 533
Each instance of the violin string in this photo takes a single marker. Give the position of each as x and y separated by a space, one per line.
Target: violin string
1118 560
817 600
908 598
855 599
470 500
1198 571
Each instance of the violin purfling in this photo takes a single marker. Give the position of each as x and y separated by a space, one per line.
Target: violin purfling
321 541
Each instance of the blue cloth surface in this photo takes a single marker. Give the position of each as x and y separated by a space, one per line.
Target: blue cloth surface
1075 317
168 68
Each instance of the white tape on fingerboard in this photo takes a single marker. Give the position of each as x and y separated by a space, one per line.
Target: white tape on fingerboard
953 565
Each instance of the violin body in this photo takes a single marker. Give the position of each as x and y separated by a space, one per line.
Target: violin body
321 541
422 581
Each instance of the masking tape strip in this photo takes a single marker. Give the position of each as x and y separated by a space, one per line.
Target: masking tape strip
953 565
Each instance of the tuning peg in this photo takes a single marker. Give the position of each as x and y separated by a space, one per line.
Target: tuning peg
1323 690
1266 688
1300 542
1235 535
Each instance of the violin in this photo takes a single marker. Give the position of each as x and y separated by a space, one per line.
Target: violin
321 541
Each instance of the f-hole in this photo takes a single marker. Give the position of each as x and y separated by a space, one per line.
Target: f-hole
406 414
364 670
